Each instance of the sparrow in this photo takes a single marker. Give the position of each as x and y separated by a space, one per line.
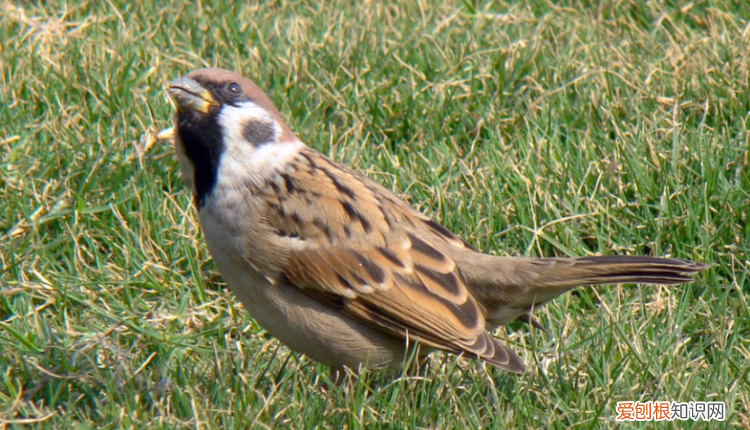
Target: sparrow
339 268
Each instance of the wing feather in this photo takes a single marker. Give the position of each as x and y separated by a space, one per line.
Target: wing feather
405 298
378 260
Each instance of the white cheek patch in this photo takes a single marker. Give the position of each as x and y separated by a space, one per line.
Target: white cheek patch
244 162
232 119
274 156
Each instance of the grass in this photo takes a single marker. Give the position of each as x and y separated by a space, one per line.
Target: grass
529 128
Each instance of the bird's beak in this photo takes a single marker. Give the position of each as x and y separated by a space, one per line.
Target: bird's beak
189 95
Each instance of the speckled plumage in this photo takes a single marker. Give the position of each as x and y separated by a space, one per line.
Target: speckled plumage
336 266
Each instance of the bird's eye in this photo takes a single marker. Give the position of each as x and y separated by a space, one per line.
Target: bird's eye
234 88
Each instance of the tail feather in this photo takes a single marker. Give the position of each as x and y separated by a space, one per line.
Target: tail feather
510 288
615 270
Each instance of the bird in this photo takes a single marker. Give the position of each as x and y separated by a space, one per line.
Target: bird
336 266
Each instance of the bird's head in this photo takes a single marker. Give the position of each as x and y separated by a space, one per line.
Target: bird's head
226 128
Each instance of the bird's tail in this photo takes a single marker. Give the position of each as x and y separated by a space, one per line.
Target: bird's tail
510 288
568 273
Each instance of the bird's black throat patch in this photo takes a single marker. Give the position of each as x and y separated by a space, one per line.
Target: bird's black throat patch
204 145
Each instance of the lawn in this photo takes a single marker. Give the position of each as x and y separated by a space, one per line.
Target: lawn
529 128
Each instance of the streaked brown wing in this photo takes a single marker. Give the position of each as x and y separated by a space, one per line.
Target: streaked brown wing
357 247
411 290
